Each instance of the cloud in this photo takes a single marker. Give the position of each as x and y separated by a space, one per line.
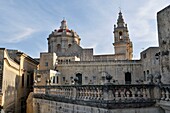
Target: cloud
143 25
18 36
94 21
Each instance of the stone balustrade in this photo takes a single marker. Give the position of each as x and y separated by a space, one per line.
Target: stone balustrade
99 95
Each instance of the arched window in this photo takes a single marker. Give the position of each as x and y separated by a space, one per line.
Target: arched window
58 47
69 45
120 35
57 80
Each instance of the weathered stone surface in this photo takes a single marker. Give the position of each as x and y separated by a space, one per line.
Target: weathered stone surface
163 18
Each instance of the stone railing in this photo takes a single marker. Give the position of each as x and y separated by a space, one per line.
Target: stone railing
99 95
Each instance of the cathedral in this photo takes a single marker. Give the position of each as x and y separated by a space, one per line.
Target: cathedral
67 57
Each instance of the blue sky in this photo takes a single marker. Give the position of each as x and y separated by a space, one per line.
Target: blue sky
26 24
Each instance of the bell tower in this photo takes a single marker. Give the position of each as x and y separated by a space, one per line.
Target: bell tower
122 44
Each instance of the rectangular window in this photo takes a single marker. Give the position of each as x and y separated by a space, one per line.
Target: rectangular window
64 78
57 80
94 77
46 64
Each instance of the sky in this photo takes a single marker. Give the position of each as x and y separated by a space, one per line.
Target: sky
26 24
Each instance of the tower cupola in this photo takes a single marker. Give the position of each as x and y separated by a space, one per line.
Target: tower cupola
63 24
120 20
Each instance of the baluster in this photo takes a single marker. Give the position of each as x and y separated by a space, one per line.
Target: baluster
139 93
71 94
94 92
163 94
91 93
167 95
122 93
116 95
85 93
110 94
101 94
97 94
80 92
144 93
128 95
133 93
148 93
88 94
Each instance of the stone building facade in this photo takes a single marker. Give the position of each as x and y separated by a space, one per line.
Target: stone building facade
71 79
16 79
150 62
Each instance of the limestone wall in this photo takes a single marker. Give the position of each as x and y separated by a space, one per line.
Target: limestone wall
47 61
150 62
164 42
93 72
9 82
46 106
